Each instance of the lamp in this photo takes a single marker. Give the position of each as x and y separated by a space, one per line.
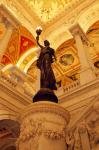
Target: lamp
38 30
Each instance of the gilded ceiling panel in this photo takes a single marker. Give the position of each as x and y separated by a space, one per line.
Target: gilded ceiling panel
47 9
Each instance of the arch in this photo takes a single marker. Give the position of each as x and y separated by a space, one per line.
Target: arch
8 144
10 125
88 17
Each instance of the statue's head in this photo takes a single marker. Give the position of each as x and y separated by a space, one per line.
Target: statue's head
46 43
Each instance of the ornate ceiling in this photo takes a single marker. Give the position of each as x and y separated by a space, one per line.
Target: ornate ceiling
22 45
47 9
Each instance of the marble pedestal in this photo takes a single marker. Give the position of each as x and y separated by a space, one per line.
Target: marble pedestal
43 127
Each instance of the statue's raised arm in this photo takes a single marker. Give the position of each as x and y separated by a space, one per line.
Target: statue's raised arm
37 40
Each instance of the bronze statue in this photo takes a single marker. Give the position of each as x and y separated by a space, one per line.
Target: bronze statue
46 58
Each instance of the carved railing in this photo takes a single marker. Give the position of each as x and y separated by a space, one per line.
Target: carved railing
71 86
68 88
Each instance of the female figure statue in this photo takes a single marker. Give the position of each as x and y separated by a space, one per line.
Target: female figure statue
46 58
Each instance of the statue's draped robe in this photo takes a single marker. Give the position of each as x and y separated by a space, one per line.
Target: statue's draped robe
44 62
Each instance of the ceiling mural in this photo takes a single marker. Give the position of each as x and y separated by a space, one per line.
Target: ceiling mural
21 40
66 59
47 9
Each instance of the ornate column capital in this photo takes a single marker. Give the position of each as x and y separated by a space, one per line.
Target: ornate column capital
77 30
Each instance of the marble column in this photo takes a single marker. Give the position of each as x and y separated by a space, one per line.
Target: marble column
43 127
4 41
87 73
